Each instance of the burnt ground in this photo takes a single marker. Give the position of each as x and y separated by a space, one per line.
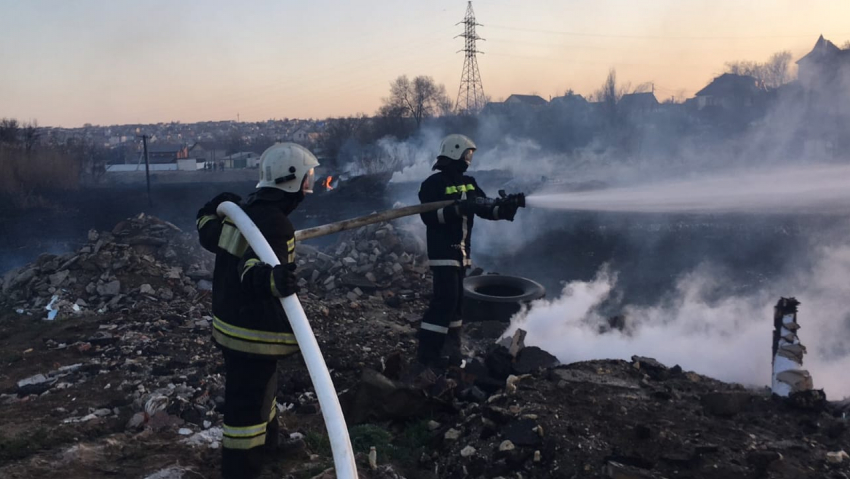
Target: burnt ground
131 385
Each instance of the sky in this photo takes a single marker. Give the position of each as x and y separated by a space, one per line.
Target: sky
107 62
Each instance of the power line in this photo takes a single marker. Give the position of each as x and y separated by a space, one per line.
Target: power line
656 37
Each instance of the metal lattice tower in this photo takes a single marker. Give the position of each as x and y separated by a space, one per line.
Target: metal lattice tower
470 94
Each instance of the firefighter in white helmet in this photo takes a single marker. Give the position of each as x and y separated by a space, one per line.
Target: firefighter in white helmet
249 324
449 233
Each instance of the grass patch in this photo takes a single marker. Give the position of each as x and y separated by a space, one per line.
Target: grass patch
24 446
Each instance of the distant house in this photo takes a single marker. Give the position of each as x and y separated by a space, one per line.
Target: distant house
825 67
730 91
525 100
207 151
492 108
638 103
242 159
300 135
570 100
159 153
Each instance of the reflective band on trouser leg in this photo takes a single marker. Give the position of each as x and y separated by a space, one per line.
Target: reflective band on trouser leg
441 218
456 324
244 437
496 213
444 262
434 328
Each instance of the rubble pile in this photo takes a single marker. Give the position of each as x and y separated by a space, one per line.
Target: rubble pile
143 259
133 387
378 262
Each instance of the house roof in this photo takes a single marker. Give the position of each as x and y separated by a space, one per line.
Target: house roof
639 101
568 99
534 100
824 49
164 148
730 84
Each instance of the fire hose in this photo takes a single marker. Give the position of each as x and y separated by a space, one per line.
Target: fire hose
331 228
343 454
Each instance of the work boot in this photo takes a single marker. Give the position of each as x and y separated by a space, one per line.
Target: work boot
454 349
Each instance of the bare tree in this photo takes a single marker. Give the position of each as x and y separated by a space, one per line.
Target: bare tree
30 135
772 74
609 95
418 99
341 130
9 131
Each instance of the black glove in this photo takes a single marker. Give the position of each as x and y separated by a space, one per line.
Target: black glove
285 281
212 205
507 211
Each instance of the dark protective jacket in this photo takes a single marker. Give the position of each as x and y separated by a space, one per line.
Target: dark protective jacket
448 231
247 315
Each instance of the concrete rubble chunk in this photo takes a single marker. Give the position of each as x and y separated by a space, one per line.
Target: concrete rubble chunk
467 451
837 457
111 288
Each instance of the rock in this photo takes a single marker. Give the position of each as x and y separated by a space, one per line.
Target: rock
467 451
522 433
136 421
452 435
725 404
57 279
103 412
506 445
532 358
146 289
170 473
111 288
35 384
184 431
615 470
433 425
166 294
377 398
836 457
762 459
651 367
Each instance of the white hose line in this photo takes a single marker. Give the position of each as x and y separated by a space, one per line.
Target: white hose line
334 421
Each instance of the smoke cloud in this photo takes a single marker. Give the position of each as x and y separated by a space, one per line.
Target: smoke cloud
726 337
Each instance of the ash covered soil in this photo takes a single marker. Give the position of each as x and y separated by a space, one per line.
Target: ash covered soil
125 381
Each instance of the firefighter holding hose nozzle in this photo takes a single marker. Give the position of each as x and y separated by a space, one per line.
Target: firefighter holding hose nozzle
448 236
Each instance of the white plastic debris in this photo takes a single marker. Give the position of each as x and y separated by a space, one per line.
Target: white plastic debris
210 438
51 311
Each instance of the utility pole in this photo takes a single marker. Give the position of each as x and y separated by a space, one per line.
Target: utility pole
470 94
147 168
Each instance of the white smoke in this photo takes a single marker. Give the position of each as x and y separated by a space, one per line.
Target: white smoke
728 339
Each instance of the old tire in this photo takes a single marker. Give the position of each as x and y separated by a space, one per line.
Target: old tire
496 297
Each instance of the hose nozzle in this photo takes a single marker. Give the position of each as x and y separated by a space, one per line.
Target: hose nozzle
517 199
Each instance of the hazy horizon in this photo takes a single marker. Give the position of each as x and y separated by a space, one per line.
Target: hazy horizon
67 64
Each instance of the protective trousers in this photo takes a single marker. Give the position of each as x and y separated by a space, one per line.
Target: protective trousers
250 414
443 319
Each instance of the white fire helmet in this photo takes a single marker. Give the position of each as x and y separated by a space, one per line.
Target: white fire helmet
453 146
287 167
